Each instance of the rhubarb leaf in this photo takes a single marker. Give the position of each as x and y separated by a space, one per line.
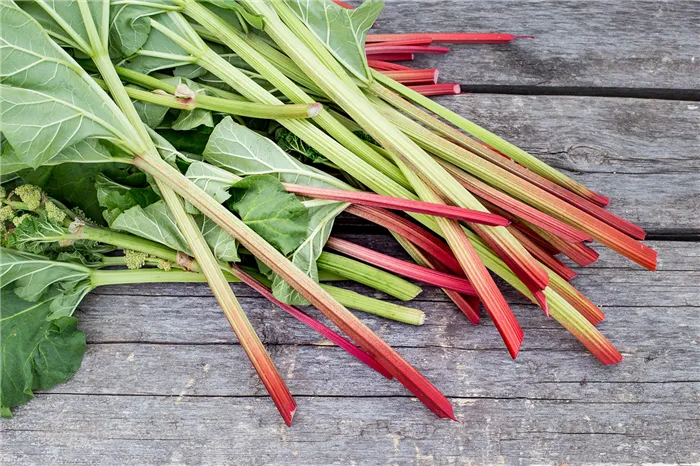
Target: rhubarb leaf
47 101
321 219
116 198
36 353
88 151
265 206
223 245
342 31
154 222
243 152
31 275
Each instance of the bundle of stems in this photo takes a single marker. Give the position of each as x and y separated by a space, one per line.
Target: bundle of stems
268 83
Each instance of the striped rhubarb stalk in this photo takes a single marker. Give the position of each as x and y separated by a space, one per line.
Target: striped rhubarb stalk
515 207
309 321
400 267
396 203
592 207
525 191
468 305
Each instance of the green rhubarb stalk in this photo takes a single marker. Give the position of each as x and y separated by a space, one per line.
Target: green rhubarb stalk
193 236
305 49
240 44
377 307
217 104
493 140
368 275
525 191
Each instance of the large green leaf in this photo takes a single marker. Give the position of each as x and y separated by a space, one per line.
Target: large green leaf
47 101
265 206
342 31
31 275
115 198
87 151
36 353
321 219
243 152
74 184
154 222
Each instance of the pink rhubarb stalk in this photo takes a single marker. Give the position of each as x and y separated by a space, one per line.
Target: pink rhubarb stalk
400 267
578 252
396 203
309 321
449 37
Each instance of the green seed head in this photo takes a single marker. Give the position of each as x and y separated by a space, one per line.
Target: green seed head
18 220
30 195
3 193
165 265
54 213
135 259
6 213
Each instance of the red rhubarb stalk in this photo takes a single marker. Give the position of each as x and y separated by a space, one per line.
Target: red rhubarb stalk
417 235
396 203
309 321
380 65
392 56
428 49
469 305
417 41
400 267
438 89
449 37
426 76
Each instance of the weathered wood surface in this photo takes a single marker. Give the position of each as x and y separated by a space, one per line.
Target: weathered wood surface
595 46
164 381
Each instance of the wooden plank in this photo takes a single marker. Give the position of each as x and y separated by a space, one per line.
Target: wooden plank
647 374
593 44
88 429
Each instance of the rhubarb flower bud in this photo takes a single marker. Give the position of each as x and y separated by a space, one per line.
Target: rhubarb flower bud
54 213
135 259
165 265
18 220
30 195
6 213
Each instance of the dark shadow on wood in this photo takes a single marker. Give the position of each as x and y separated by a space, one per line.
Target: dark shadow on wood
632 93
